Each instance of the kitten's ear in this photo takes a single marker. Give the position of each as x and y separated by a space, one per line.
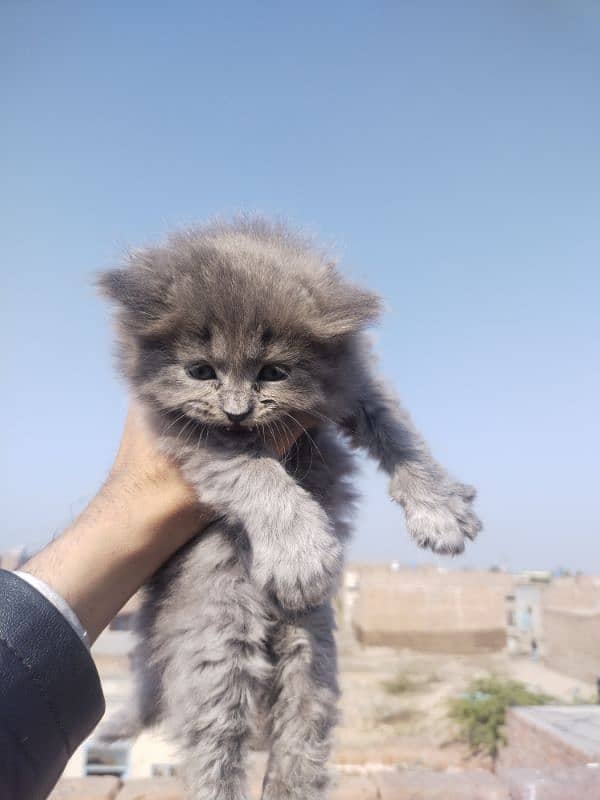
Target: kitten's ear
121 286
347 310
143 298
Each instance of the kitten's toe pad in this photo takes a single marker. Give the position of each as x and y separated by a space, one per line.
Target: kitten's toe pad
444 524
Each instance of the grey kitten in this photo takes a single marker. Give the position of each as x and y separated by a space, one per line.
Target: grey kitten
227 332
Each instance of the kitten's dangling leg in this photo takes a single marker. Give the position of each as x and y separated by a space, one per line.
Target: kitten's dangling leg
303 710
297 556
213 628
143 708
439 510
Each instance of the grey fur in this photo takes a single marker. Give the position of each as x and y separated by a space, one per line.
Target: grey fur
238 627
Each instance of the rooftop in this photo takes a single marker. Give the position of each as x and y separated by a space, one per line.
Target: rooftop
516 784
578 726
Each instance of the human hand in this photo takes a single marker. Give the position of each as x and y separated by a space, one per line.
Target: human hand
141 516
151 485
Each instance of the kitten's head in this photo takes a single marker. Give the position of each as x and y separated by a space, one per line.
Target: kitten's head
229 329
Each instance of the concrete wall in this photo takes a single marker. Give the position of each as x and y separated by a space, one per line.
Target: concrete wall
575 593
572 642
432 611
551 736
578 783
571 626
528 746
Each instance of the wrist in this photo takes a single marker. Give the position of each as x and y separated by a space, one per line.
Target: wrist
116 545
148 511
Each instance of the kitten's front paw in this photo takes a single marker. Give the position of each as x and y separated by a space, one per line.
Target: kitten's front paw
301 566
444 523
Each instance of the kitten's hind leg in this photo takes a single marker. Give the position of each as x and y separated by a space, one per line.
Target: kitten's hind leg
142 709
214 627
303 708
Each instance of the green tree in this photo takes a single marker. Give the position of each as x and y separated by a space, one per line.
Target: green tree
481 712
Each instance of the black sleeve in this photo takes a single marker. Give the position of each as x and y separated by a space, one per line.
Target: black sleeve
50 694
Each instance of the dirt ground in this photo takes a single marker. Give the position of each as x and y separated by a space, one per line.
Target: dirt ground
394 703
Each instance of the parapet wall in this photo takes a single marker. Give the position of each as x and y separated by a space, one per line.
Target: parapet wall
432 611
452 641
552 737
575 593
572 642
581 783
532 745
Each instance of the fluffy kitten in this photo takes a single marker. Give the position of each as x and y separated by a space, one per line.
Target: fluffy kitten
226 332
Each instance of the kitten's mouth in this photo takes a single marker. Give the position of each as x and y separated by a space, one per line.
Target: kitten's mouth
237 433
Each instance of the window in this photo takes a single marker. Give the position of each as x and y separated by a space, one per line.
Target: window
107 759
163 771
122 622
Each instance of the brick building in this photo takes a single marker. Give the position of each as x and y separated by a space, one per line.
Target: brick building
552 736
571 627
432 610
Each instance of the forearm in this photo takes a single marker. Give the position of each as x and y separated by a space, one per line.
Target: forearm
382 427
119 541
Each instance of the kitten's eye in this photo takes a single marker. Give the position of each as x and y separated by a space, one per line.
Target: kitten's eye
201 372
271 372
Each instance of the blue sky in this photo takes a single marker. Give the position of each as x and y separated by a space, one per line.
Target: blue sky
448 151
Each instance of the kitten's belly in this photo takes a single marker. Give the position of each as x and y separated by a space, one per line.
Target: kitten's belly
207 611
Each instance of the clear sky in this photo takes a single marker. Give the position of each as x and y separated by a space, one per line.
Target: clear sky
448 151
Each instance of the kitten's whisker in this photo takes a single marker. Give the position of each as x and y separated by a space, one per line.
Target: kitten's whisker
289 433
310 463
297 422
183 415
271 434
294 450
324 417
261 433
180 434
278 434
176 422
287 436
275 434
190 421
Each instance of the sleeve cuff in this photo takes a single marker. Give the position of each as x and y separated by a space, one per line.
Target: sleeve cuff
58 602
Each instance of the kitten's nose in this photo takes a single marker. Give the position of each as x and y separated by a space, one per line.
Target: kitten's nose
237 417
